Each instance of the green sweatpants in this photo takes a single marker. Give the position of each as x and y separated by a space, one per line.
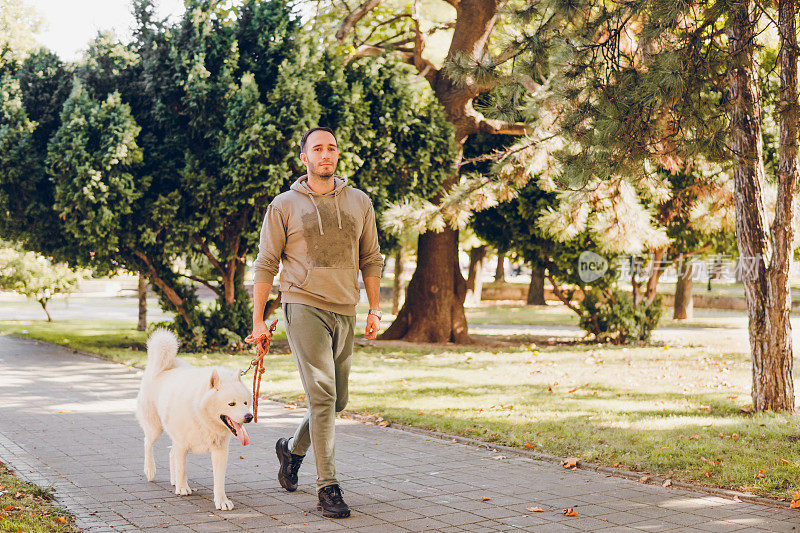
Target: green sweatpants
321 343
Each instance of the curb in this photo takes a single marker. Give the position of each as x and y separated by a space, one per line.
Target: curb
537 456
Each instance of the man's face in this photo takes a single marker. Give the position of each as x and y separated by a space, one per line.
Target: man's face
320 155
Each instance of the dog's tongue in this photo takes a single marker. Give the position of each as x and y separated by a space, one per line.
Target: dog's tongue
241 433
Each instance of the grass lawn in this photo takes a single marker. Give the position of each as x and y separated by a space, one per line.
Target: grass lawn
666 410
29 508
559 315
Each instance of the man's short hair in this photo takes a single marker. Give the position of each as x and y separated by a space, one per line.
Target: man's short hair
304 138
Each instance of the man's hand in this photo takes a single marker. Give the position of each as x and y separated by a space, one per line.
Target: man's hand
373 325
260 328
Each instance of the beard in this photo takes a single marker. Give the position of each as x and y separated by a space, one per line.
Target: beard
325 171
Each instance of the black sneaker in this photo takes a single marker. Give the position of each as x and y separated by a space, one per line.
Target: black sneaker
331 503
290 464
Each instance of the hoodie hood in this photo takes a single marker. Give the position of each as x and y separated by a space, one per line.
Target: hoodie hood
301 186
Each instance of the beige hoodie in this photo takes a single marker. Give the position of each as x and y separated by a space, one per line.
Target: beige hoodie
323 241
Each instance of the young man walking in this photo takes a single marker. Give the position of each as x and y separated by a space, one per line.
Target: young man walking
324 232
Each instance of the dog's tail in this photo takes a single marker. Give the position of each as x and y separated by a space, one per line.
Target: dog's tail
162 347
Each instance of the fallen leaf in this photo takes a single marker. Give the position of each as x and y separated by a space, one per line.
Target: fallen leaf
572 390
617 465
696 436
644 479
570 512
795 501
535 509
9 507
289 406
241 457
485 499
761 473
667 483
528 445
784 461
61 520
3 515
571 462
707 474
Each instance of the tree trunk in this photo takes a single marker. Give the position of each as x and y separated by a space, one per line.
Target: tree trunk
536 288
229 281
500 272
142 324
684 306
766 286
477 256
173 297
434 306
43 303
651 289
397 284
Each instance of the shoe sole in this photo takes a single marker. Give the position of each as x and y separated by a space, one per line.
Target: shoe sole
280 479
329 514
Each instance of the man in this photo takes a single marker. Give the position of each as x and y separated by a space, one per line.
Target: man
324 232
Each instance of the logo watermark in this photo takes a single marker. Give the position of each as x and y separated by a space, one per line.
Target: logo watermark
591 266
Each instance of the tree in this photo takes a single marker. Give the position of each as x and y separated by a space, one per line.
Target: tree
18 24
697 216
512 226
192 129
31 103
433 310
35 276
768 251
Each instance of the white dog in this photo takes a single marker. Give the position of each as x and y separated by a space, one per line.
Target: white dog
198 407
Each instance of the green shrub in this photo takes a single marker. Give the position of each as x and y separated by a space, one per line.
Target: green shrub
613 316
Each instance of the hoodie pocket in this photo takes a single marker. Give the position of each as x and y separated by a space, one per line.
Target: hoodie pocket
335 285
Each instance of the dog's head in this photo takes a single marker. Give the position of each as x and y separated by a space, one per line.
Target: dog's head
229 402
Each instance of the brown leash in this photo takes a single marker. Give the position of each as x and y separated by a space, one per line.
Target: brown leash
262 347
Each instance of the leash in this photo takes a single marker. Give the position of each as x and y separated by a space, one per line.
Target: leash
262 347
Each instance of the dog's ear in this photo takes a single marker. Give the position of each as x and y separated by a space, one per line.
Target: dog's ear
214 379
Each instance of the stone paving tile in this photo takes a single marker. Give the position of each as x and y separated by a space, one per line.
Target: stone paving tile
80 436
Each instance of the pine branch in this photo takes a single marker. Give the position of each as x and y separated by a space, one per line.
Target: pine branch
488 125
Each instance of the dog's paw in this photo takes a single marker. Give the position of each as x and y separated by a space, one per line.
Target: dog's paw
223 504
150 472
182 490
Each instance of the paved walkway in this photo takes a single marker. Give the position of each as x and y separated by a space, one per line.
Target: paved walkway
67 421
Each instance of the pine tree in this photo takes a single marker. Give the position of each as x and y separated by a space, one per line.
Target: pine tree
659 86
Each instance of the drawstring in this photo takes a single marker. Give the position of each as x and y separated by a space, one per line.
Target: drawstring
319 218
338 215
